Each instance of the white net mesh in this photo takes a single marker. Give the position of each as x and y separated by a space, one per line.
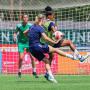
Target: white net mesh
72 17
40 4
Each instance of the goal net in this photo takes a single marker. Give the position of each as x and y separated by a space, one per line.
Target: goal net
72 18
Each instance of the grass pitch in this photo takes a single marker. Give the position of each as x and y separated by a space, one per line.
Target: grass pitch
28 82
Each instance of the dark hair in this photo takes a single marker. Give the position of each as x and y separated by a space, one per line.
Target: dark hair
48 8
48 11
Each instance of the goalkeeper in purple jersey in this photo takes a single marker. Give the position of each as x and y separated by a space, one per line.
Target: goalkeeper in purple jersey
23 43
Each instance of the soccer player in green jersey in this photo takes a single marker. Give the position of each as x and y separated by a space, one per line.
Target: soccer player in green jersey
23 43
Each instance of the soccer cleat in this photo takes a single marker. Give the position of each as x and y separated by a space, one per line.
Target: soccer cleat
35 75
83 58
19 74
49 78
52 79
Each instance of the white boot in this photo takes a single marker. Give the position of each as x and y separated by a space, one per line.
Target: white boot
52 79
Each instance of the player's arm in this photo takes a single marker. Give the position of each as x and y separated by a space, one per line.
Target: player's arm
54 28
25 32
48 39
15 34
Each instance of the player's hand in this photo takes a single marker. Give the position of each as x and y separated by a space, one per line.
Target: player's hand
15 37
58 41
57 45
26 32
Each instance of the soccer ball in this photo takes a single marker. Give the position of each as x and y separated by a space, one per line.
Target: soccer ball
57 35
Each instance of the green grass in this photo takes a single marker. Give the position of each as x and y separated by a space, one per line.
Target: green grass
27 82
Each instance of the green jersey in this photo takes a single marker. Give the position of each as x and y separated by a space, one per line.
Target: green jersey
47 26
21 28
22 39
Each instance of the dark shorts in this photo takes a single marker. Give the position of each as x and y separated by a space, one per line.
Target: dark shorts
58 44
38 50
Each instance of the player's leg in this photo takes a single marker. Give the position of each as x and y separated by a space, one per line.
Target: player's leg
51 55
58 51
32 61
49 76
76 54
33 66
21 55
20 63
63 43
68 43
38 51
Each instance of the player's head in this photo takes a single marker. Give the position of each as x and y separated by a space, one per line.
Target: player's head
49 13
39 19
25 18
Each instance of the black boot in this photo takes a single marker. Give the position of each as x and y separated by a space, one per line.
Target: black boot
35 74
19 74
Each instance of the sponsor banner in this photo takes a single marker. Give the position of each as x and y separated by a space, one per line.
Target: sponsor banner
6 36
10 64
80 37
60 64
69 66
